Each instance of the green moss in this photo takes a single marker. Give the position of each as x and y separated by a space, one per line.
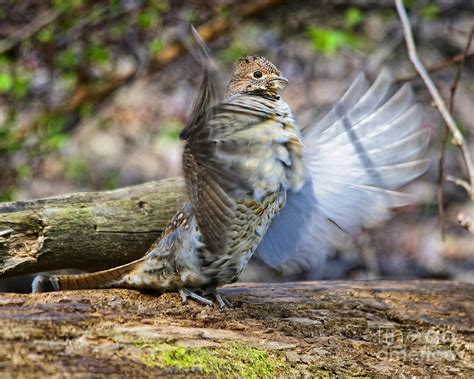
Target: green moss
235 359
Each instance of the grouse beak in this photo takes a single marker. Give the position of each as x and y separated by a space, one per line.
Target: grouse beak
278 83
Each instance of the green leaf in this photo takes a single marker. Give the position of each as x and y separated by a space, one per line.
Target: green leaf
147 18
45 35
6 82
55 142
68 58
430 12
156 46
329 41
21 84
353 17
98 54
235 51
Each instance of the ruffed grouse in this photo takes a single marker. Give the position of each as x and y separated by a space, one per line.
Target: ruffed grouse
254 183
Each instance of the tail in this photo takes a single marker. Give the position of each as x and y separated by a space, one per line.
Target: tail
370 144
99 279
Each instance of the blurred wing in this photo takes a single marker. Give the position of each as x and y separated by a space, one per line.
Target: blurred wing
241 153
210 91
366 147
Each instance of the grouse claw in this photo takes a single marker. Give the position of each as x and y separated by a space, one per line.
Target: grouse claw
185 294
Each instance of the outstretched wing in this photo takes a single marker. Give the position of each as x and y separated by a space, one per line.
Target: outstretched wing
210 92
366 147
248 149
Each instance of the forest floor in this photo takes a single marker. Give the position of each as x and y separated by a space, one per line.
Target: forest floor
366 328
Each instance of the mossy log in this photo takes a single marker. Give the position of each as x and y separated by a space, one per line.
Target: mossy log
312 329
88 231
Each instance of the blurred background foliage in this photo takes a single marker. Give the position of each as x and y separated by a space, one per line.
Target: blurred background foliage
93 95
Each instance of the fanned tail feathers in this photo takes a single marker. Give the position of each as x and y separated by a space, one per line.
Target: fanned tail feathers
367 146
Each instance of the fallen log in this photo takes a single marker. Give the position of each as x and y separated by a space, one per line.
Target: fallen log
88 231
311 329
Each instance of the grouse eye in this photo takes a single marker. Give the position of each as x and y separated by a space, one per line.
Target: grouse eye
257 74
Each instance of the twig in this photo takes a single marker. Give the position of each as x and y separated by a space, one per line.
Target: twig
458 30
440 191
459 182
458 138
459 70
466 222
30 29
444 141
437 67
5 232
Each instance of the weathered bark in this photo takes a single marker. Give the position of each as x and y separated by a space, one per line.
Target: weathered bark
370 328
88 231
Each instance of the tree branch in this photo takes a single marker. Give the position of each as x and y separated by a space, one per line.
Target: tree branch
458 138
437 67
87 231
444 140
459 182
26 32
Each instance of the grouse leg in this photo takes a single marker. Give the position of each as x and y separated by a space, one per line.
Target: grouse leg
221 300
186 293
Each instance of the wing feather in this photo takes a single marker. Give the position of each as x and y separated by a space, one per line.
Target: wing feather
243 151
210 92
